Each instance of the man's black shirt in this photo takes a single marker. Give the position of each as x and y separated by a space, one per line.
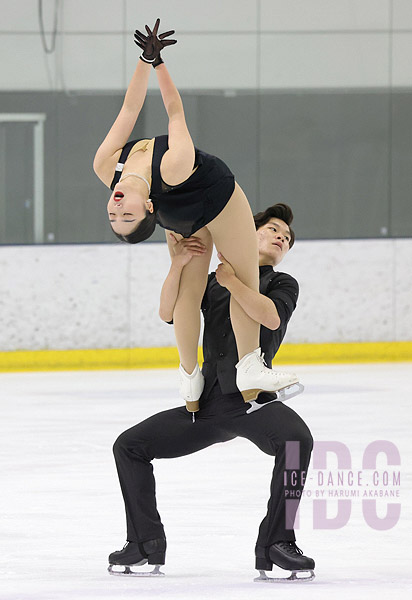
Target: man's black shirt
219 343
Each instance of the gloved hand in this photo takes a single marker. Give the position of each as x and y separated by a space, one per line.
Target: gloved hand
157 62
152 44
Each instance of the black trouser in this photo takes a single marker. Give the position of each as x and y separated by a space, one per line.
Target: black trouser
276 429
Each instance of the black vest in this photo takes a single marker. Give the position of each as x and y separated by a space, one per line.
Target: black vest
219 344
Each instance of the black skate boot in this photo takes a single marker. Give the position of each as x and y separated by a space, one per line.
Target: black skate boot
285 555
137 554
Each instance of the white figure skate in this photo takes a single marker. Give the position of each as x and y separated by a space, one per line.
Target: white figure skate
253 377
191 387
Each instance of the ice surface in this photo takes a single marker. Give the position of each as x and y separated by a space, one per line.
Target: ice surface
61 510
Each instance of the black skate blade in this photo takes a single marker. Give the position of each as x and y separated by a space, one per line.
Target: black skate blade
281 395
293 577
127 571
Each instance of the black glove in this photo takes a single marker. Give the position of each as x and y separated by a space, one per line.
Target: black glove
158 61
152 44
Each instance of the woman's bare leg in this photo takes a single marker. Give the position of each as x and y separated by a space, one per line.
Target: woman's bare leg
186 315
234 235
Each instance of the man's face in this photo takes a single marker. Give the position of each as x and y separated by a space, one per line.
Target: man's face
273 241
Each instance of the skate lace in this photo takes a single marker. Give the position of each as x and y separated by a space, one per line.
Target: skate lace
290 547
261 359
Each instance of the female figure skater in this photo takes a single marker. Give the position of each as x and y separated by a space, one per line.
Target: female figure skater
166 180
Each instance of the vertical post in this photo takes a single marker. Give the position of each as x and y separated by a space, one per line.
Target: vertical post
38 166
38 183
2 185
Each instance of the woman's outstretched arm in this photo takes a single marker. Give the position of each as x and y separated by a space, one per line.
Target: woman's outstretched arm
178 162
127 117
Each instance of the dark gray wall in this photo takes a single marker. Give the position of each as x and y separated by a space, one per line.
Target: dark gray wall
342 160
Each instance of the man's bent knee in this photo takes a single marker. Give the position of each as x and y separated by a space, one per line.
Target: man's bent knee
120 444
131 444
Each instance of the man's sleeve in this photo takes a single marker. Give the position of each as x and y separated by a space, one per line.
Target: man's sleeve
284 292
205 300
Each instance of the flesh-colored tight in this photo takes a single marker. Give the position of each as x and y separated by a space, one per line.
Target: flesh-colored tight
233 233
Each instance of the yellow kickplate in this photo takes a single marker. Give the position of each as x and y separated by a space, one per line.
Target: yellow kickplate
168 358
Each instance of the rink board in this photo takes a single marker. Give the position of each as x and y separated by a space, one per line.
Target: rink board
167 357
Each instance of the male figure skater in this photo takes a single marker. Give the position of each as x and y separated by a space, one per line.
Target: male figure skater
274 427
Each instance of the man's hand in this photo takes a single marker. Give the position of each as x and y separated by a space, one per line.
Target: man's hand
225 272
186 248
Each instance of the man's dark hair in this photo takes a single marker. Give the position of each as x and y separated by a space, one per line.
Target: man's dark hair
277 211
142 232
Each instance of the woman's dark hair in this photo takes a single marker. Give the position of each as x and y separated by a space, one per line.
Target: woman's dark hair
142 232
277 211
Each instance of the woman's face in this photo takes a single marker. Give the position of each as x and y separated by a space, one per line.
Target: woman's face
126 208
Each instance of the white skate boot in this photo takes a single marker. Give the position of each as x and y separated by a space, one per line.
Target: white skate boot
253 377
191 387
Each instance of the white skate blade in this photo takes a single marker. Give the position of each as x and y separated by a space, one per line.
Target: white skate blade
290 392
282 395
127 571
293 577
